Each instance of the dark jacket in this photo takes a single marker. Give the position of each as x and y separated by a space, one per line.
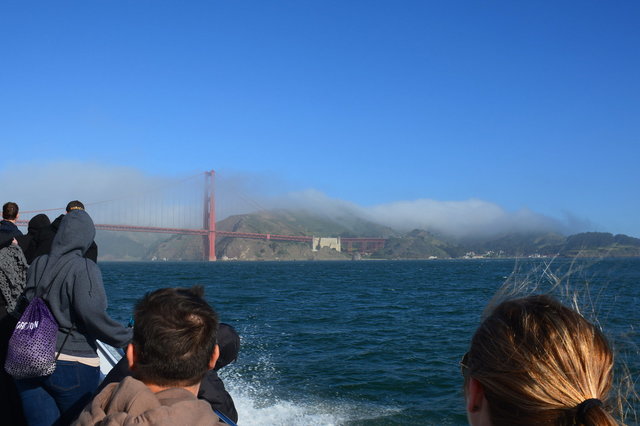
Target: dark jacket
76 297
10 228
213 391
92 251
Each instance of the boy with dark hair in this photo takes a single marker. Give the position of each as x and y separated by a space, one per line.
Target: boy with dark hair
9 216
173 347
174 339
10 211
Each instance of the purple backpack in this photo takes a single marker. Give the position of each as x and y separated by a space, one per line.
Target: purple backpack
32 347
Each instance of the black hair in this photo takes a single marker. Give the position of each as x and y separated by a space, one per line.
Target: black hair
174 336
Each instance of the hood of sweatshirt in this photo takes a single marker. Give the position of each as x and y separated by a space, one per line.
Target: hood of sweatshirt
72 240
76 232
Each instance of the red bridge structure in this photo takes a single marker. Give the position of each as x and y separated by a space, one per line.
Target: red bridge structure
207 229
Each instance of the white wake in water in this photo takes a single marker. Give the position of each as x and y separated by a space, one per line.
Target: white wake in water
258 404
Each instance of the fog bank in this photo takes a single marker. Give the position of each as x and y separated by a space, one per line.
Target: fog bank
130 195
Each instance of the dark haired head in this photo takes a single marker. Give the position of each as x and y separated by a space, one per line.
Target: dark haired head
74 205
174 336
10 211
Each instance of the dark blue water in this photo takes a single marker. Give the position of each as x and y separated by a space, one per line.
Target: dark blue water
375 343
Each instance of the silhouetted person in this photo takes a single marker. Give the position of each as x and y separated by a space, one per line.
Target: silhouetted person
38 239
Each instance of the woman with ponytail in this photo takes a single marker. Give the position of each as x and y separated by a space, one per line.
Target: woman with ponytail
534 361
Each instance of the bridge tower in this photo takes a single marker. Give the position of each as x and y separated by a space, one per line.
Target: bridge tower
209 216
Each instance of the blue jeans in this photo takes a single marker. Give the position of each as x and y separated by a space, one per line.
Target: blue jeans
59 398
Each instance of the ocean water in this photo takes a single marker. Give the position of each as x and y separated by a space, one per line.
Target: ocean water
369 343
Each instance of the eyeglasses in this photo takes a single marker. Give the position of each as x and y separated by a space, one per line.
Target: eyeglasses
464 364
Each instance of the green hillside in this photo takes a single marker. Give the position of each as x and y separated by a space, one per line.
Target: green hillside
417 244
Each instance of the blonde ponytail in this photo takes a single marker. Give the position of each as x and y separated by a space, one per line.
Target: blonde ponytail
542 363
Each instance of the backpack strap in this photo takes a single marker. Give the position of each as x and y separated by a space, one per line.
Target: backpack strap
65 330
68 333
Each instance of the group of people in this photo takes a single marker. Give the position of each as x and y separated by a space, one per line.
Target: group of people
532 360
172 353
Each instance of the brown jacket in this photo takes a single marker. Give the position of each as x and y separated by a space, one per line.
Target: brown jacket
131 402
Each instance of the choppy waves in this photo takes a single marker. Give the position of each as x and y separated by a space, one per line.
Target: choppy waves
362 343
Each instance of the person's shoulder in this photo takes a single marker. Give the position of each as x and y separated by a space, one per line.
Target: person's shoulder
5 239
12 250
39 260
126 389
85 269
56 223
79 267
10 228
191 410
112 404
83 263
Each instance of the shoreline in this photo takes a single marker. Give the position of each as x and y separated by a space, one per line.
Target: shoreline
453 259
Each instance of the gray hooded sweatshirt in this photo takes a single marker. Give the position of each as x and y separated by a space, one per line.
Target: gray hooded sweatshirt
76 298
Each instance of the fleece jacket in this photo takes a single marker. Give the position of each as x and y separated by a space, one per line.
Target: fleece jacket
72 287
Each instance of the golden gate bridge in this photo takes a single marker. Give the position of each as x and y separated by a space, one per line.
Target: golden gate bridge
128 208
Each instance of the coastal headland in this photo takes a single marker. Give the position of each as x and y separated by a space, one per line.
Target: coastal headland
415 244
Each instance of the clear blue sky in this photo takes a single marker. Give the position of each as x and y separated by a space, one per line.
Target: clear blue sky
530 105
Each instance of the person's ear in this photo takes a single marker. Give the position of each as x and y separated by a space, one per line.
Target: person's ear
131 356
477 406
475 396
214 357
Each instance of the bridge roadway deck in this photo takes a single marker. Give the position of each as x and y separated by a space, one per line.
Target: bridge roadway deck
377 242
